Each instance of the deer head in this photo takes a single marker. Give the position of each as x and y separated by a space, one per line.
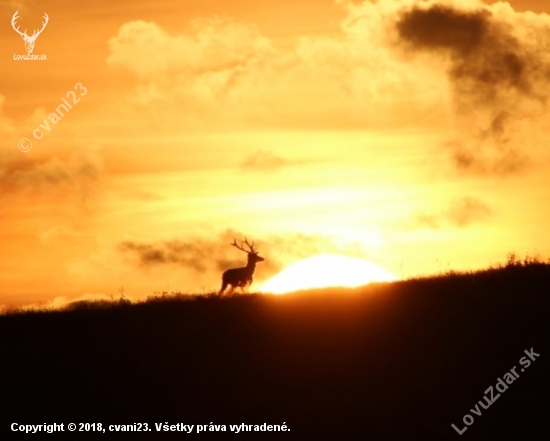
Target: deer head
29 40
253 256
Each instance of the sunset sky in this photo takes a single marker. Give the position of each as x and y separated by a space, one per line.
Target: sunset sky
408 133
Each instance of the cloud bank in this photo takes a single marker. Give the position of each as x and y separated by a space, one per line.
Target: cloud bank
202 256
480 72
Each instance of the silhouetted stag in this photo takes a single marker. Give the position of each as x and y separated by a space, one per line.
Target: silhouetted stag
241 277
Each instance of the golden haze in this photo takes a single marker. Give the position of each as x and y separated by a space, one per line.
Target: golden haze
313 127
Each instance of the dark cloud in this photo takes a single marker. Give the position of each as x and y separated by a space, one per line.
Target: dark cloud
461 213
487 60
198 255
77 176
476 157
492 72
497 127
468 210
216 254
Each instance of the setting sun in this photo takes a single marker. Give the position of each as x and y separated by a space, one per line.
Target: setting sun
326 270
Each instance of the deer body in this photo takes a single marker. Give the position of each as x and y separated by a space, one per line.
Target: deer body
241 277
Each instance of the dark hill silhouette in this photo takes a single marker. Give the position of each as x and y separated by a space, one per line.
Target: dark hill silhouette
390 361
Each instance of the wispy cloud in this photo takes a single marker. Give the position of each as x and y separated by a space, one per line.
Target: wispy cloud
197 254
266 161
77 175
461 213
202 255
15 5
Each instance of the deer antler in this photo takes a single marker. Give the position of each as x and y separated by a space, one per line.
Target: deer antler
16 29
250 246
44 23
237 246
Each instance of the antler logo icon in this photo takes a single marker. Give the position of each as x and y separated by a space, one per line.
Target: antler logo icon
29 40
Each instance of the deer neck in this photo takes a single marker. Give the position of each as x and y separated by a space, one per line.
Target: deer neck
250 266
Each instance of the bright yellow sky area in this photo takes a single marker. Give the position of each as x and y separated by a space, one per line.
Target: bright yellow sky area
407 133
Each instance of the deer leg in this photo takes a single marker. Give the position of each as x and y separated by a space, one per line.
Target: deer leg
224 285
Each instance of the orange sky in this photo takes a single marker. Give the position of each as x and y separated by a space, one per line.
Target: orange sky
361 128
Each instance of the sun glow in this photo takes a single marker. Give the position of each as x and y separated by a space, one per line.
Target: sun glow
326 270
